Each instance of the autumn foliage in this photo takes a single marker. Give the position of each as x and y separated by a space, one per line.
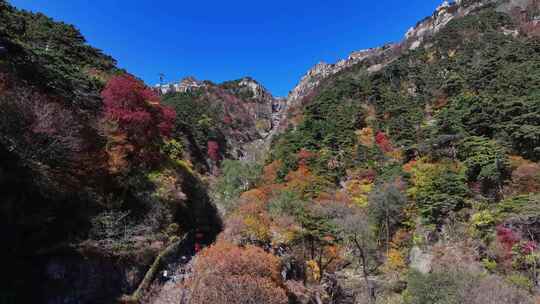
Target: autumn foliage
383 142
526 178
506 239
136 107
225 273
213 150
137 112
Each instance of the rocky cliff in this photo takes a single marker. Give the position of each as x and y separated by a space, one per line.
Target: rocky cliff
322 70
238 116
525 11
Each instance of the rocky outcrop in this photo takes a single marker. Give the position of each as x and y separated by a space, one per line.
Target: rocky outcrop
263 109
526 13
187 84
323 70
420 261
440 18
258 100
243 112
257 90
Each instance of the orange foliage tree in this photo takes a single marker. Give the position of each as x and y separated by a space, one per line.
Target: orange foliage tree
270 172
225 273
304 182
526 178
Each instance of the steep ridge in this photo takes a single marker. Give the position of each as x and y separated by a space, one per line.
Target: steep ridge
376 58
322 70
425 39
237 115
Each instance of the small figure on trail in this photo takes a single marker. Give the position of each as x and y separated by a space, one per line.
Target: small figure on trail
164 276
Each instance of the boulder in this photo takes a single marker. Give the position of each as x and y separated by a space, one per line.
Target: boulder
420 260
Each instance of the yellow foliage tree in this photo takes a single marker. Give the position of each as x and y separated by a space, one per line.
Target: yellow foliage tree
359 190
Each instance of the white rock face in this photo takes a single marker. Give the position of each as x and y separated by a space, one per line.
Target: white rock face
375 68
257 90
188 84
185 85
323 70
420 260
440 18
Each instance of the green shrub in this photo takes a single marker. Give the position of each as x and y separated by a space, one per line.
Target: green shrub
444 191
173 149
482 224
489 264
486 161
520 281
433 288
236 177
287 203
523 205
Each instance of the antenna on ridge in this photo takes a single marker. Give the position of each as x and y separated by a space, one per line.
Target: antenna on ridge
161 78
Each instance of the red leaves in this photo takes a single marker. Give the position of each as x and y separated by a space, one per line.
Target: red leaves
167 124
507 237
529 247
136 108
304 156
228 259
213 150
137 111
227 120
129 88
383 142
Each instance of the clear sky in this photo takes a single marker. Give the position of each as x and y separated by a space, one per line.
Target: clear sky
273 41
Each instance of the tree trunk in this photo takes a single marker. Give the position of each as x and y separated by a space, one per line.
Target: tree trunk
151 273
387 233
365 273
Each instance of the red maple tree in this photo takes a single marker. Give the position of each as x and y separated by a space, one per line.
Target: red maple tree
213 150
383 142
137 111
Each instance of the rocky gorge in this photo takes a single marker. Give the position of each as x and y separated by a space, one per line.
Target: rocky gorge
406 173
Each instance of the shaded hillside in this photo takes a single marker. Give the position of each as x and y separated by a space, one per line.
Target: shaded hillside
92 184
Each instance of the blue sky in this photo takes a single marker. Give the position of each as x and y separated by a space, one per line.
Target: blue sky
273 41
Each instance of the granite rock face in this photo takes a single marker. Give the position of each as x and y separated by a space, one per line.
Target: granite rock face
323 70
420 260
